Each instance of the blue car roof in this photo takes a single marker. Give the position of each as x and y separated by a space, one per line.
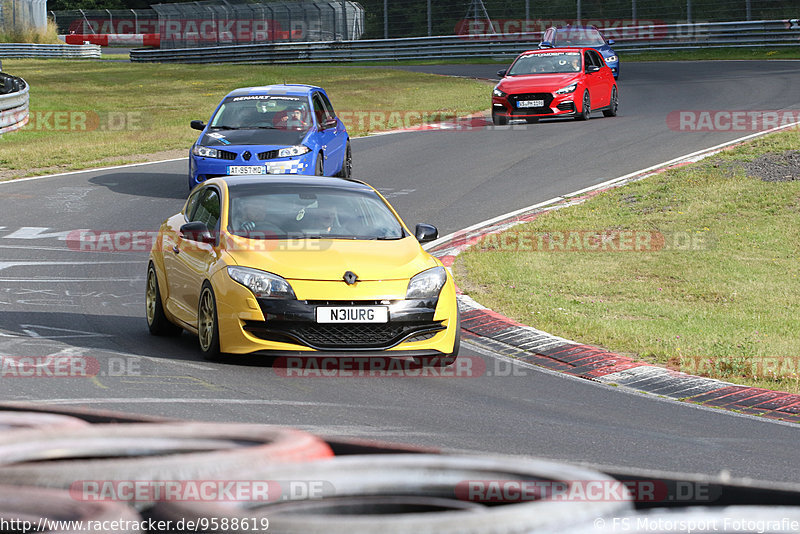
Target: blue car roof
570 27
277 89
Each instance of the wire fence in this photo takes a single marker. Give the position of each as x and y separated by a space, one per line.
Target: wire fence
223 22
23 15
210 22
230 22
417 18
105 21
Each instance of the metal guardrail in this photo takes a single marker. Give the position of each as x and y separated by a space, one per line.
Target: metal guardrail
13 103
667 37
36 50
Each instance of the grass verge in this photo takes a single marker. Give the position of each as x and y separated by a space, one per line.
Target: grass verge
710 285
87 113
30 35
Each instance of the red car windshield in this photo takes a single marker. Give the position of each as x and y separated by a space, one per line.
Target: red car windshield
546 63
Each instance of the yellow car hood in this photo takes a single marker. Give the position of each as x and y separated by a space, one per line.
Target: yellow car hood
329 259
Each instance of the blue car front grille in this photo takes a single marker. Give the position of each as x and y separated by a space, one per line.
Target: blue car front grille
269 154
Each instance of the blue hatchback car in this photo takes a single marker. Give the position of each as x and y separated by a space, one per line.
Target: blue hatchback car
275 129
582 37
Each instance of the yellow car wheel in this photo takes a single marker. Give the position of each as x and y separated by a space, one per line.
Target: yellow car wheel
157 321
207 324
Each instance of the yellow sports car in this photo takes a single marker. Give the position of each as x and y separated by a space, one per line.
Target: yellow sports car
295 266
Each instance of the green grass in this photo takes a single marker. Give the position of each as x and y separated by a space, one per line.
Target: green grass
726 307
130 110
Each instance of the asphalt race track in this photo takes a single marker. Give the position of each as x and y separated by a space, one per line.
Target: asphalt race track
58 300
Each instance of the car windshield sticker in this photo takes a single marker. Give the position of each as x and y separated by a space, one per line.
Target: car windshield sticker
301 214
264 97
551 54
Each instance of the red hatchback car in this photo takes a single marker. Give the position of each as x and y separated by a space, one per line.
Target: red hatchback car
555 82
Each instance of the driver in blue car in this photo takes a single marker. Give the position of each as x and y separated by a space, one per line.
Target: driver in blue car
295 118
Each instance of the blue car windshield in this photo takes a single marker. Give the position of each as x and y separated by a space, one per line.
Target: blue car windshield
579 37
261 211
546 63
279 112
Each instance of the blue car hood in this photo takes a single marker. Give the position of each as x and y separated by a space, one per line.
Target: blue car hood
278 137
605 50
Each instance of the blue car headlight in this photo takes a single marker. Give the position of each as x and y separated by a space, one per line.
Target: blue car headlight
298 150
427 284
611 59
205 152
568 89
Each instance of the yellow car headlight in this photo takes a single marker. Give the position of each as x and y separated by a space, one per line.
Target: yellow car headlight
262 283
427 284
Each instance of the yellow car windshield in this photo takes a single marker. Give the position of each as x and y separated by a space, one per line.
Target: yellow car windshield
287 212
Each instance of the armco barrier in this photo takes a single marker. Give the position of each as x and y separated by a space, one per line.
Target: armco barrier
13 103
36 50
772 33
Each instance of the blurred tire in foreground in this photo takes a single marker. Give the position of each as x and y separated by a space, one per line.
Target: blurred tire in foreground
25 420
405 493
102 460
41 506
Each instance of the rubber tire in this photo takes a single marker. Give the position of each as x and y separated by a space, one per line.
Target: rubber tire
210 349
13 420
351 481
347 163
612 111
173 450
499 120
60 505
586 108
318 168
158 324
